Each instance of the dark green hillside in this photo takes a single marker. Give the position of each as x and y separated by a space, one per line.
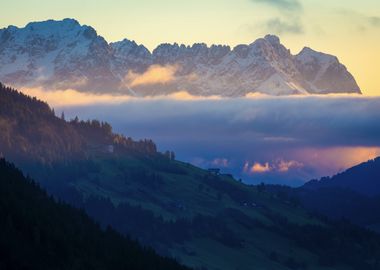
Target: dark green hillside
206 221
38 233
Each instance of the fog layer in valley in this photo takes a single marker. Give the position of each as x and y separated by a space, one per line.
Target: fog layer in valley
285 140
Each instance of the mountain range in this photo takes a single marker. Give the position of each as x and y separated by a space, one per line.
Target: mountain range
67 55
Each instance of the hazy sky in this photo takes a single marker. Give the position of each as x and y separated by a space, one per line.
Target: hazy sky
349 29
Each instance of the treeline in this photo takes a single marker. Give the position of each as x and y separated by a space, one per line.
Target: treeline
30 131
99 135
36 232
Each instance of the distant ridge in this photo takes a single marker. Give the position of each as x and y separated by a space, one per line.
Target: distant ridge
363 179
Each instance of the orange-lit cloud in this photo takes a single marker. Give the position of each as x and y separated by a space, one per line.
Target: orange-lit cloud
260 168
71 97
284 166
280 166
330 160
184 95
155 74
60 96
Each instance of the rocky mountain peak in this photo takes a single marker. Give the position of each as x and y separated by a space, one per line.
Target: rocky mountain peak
68 54
272 39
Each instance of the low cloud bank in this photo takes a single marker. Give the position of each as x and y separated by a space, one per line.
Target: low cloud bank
284 140
73 97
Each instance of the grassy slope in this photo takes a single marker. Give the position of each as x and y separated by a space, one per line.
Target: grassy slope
183 189
192 195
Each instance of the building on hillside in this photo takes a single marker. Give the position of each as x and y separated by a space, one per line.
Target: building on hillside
110 149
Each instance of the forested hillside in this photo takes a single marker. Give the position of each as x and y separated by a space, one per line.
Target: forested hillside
31 131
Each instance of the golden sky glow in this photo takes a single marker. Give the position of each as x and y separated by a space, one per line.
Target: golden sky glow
349 29
340 158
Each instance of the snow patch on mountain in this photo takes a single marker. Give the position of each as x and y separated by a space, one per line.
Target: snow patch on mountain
65 54
325 73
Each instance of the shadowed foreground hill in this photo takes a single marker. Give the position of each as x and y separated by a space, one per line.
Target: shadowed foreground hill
36 232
